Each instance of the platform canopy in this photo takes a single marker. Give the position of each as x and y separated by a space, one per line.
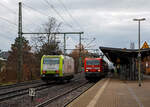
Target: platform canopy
123 56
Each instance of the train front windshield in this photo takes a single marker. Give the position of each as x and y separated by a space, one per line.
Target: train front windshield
93 62
51 63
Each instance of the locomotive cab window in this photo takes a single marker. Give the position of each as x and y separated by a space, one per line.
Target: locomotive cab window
51 61
92 62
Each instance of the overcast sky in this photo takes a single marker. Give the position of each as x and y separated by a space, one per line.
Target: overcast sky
109 21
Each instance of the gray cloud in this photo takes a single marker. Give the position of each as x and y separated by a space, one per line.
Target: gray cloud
110 21
113 5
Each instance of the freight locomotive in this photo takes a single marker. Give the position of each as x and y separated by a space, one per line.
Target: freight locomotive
57 67
95 68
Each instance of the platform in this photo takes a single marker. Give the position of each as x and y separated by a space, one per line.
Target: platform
112 92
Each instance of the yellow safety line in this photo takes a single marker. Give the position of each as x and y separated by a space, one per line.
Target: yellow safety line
97 96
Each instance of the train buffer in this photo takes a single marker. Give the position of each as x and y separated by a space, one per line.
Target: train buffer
111 92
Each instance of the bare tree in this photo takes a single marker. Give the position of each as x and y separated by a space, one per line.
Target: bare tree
46 43
51 26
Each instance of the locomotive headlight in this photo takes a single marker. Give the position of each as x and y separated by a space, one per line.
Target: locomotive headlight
57 71
86 70
99 70
44 72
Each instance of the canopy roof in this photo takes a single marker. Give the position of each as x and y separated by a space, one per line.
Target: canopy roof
123 56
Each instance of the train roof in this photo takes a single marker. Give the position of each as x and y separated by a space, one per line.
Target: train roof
92 58
52 56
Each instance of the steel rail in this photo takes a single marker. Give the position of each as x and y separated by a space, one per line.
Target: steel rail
77 96
20 84
20 92
24 91
60 95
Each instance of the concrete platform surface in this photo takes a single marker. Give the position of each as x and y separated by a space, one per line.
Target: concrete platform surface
112 92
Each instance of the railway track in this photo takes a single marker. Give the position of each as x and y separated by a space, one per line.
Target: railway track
47 102
6 95
76 96
20 84
19 97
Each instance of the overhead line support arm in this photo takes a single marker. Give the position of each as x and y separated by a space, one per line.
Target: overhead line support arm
54 33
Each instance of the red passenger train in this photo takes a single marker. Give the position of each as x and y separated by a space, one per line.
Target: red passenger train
95 68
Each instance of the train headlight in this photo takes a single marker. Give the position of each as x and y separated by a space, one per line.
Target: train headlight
44 72
86 70
57 71
99 70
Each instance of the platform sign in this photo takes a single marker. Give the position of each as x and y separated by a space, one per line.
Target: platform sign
145 45
31 91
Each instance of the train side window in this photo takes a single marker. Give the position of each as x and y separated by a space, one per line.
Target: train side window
63 61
